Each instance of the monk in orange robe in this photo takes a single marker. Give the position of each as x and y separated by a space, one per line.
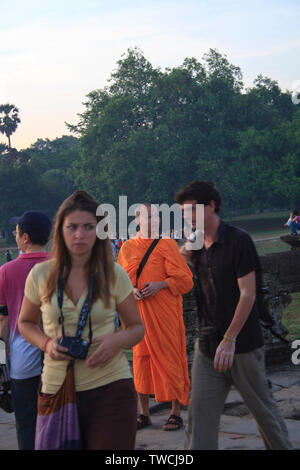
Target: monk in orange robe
159 361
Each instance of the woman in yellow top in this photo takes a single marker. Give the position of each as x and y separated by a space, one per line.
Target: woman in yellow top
106 397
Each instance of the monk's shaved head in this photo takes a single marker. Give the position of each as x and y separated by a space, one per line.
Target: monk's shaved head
147 217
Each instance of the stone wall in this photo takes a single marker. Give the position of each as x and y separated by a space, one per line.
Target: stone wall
281 277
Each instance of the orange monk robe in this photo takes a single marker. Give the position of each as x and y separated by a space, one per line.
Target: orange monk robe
159 361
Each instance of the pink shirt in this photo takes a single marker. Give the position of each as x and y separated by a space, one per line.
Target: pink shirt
24 358
297 219
12 282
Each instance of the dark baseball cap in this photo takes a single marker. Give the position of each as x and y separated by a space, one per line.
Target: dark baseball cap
37 225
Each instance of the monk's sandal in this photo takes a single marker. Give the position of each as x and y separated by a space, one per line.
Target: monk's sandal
143 421
175 421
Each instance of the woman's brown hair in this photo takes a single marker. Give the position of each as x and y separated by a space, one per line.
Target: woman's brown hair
101 260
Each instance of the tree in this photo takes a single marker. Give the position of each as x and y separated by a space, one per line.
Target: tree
149 132
21 190
9 120
265 104
3 150
52 160
58 154
37 177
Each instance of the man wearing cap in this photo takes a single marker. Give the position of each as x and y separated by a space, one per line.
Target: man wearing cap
32 234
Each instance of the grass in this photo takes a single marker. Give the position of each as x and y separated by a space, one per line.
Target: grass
263 228
267 215
13 250
265 247
291 317
267 234
263 225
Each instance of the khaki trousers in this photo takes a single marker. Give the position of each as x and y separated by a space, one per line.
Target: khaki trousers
209 392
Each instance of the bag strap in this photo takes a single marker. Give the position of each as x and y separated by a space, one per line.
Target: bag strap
145 258
202 312
277 335
84 314
265 318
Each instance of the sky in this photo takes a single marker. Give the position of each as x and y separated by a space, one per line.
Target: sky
54 52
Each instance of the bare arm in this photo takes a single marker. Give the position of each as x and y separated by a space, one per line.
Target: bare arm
226 349
29 324
247 286
29 327
131 334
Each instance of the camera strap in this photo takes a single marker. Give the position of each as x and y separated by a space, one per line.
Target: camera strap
203 308
84 314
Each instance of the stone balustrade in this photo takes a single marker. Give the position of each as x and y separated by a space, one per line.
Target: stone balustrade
281 278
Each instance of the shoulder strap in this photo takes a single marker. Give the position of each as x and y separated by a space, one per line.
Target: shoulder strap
145 258
84 314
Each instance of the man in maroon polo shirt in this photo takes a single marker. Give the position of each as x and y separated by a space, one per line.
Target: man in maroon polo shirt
32 234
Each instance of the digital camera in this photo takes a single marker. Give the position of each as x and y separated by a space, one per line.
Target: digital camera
77 347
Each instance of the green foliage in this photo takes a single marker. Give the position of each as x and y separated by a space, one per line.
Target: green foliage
269 165
9 120
21 190
37 178
60 153
149 132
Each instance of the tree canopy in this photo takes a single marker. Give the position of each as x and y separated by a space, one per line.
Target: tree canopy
36 178
149 132
9 120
